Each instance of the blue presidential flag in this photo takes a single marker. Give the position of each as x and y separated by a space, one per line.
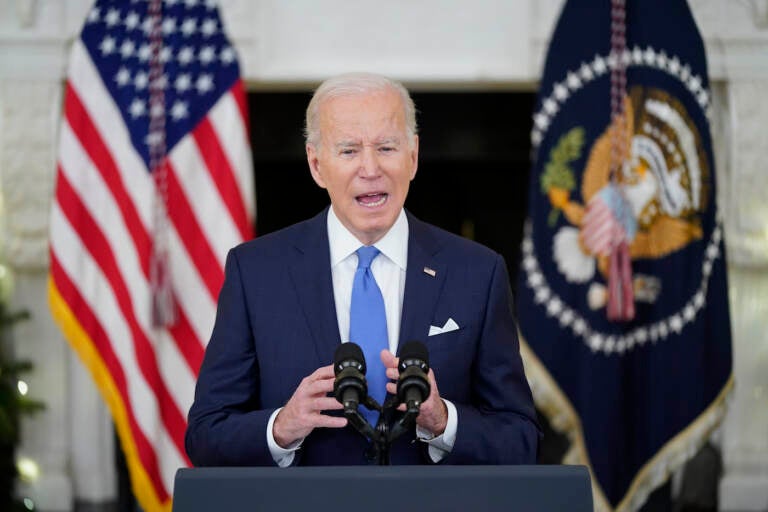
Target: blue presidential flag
622 298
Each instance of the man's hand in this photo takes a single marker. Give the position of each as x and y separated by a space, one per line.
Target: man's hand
304 411
433 414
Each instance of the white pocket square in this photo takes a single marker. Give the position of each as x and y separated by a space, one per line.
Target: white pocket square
450 325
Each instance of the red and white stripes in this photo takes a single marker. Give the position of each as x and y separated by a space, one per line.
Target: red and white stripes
101 244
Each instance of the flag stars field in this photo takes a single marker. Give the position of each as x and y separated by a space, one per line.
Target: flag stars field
192 41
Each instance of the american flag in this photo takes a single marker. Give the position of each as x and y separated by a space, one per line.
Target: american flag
154 123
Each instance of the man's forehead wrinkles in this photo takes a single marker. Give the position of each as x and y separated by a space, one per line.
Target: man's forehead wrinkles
375 142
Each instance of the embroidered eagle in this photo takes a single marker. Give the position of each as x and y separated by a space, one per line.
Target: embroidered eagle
662 181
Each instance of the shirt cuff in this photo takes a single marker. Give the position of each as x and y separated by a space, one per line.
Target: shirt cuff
283 456
440 446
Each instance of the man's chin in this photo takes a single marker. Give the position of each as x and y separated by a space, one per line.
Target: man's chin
371 232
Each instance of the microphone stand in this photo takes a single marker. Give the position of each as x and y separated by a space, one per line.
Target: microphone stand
406 422
382 436
359 422
412 388
383 442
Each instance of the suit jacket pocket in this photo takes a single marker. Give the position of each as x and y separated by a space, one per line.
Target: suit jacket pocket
451 338
451 355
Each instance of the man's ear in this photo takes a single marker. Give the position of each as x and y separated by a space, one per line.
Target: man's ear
415 156
314 165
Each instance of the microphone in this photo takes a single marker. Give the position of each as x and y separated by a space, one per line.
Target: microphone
412 385
350 387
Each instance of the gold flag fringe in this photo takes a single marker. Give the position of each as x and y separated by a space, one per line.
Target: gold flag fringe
553 403
81 343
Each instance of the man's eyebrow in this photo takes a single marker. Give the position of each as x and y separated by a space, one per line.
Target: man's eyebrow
346 143
388 140
377 142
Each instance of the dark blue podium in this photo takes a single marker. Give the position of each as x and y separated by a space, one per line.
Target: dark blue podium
385 489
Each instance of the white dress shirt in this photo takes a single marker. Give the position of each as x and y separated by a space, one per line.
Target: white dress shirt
388 269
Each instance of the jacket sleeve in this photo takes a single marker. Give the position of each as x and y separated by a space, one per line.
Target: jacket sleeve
226 423
498 425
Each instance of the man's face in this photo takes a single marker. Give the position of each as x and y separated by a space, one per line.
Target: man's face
364 160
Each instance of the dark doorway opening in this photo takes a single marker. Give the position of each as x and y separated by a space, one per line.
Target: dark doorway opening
473 166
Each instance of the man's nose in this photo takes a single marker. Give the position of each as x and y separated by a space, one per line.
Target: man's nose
369 163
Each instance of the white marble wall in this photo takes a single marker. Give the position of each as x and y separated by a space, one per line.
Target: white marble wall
482 44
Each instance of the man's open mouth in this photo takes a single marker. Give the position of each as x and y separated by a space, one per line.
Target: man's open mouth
372 200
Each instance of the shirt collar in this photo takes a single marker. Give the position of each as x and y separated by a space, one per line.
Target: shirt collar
393 245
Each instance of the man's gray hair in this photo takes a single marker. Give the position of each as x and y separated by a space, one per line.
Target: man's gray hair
353 84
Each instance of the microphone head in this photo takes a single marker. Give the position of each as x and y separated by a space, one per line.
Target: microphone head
348 354
413 385
349 387
414 353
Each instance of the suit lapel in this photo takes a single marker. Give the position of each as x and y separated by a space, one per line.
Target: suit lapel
310 269
422 289
311 273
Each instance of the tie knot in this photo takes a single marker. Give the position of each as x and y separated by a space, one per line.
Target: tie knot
365 256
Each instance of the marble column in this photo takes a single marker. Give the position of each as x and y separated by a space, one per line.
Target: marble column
745 432
71 440
28 121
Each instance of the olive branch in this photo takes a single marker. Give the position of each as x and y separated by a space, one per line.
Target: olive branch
558 174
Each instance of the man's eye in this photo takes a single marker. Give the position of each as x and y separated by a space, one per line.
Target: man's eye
387 149
348 152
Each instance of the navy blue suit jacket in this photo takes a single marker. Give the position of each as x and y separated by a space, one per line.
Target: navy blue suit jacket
276 324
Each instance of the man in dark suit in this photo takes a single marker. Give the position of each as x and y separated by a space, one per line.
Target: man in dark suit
263 395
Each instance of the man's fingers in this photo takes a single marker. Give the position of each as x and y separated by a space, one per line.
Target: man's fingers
304 410
320 375
389 359
326 421
324 372
434 394
319 387
327 404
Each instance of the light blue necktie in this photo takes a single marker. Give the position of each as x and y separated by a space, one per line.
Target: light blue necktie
368 326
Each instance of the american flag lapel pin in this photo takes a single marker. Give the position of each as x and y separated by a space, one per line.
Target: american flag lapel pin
430 271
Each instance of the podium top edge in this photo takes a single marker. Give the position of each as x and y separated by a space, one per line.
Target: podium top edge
399 471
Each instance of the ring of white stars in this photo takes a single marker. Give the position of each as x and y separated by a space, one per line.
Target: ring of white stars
600 65
607 343
544 295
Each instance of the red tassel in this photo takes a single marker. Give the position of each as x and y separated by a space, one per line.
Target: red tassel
621 296
163 308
